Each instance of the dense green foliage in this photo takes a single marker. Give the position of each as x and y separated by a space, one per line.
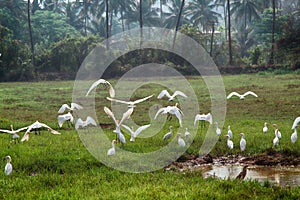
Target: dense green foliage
71 23
60 167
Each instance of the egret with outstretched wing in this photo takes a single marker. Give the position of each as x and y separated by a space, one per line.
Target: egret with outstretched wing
171 97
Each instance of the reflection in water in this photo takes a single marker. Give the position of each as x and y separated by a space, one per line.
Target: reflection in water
283 176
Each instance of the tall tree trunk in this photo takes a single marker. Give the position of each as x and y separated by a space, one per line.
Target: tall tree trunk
30 37
229 33
141 22
212 38
106 23
271 61
178 22
161 13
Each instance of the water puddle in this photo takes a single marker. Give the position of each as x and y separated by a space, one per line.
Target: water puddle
278 175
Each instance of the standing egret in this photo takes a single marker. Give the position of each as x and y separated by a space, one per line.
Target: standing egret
8 167
89 121
187 134
173 110
295 123
65 118
276 130
218 130
105 82
112 150
130 104
229 132
135 133
171 97
229 142
242 142
265 128
35 126
241 96
74 106
294 136
169 134
276 139
203 117
180 141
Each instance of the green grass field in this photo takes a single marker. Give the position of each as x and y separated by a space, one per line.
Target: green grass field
60 167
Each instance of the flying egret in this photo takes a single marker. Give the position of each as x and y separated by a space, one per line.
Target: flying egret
130 103
167 94
242 142
229 132
169 134
187 134
276 130
89 120
65 117
276 139
218 130
173 110
8 167
241 96
229 142
37 125
203 117
294 136
112 150
105 82
296 121
265 128
135 133
74 106
180 141
15 136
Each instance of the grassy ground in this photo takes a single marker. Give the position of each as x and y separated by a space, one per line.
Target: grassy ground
60 167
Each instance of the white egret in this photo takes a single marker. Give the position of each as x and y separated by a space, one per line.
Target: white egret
242 142
276 139
37 125
295 123
74 106
130 103
169 134
265 128
218 130
229 142
173 110
241 96
294 136
15 136
180 141
276 130
89 121
187 134
105 82
171 97
8 167
112 150
229 132
65 117
203 117
120 135
135 133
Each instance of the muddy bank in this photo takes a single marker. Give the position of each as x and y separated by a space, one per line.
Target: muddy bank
267 159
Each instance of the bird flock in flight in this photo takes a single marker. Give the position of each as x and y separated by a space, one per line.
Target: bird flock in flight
169 110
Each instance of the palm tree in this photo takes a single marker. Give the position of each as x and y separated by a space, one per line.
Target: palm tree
271 60
173 14
30 33
244 12
201 13
178 21
223 3
229 33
